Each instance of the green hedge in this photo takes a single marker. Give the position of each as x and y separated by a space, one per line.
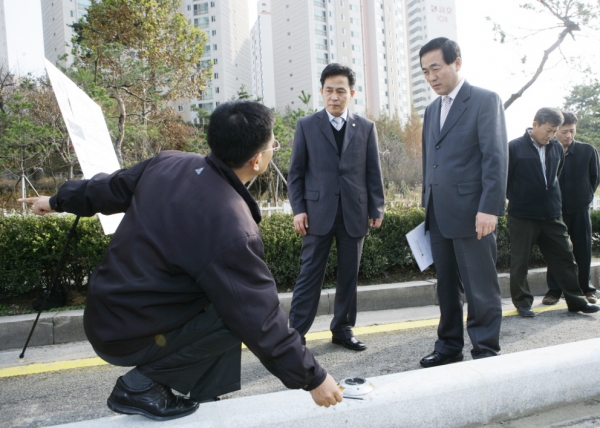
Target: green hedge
384 249
30 248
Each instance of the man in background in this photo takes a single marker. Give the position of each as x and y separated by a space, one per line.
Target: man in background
578 182
336 191
464 184
535 161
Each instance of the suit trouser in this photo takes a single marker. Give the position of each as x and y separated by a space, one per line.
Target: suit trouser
553 241
202 357
466 266
307 291
579 227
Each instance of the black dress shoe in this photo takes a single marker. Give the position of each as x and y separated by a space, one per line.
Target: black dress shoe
436 359
525 311
587 309
353 343
156 402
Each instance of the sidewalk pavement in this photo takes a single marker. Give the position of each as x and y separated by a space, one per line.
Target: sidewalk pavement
471 392
39 359
456 395
64 327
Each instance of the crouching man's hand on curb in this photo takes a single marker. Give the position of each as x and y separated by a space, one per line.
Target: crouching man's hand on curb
327 394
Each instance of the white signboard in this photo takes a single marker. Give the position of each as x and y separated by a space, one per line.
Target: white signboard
420 246
89 133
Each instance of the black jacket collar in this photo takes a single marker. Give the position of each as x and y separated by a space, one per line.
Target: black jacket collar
225 171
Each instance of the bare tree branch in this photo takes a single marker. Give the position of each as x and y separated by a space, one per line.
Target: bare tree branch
572 27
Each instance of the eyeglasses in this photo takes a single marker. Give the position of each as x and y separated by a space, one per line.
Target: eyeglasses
275 147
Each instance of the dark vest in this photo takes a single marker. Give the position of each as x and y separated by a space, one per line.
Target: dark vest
339 137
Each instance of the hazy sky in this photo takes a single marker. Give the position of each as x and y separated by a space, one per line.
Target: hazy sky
486 63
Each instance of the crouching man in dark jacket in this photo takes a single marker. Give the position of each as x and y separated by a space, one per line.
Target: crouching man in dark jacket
183 282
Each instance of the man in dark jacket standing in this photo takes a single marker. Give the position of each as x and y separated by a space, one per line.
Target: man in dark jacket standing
183 281
578 183
534 213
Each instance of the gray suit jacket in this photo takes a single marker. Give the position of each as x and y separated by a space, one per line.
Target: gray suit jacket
465 163
318 175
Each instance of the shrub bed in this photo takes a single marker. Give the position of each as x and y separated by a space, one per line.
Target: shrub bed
30 248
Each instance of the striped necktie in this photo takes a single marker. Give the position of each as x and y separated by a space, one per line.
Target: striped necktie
446 104
337 123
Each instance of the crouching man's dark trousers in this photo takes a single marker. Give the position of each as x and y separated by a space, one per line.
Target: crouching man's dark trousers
202 357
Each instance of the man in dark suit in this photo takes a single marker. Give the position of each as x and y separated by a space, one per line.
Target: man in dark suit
534 213
335 186
578 181
464 182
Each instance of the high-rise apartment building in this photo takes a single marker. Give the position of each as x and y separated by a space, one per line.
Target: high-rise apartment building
3 45
308 35
427 19
57 15
386 64
263 72
228 50
370 36
291 43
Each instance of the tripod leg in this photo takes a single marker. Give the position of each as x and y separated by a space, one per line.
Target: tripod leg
63 256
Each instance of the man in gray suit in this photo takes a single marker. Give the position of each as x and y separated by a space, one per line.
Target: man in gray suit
335 186
464 185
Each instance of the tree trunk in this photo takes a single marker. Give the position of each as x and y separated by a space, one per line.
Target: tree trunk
121 134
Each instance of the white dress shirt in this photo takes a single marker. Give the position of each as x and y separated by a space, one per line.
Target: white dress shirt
344 117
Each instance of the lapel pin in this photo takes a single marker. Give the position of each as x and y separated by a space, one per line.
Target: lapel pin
354 124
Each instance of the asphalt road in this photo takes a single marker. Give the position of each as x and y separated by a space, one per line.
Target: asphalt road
72 395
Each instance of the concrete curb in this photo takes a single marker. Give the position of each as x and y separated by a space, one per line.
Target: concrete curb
64 327
473 392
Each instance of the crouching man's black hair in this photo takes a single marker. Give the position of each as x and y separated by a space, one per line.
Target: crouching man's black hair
238 130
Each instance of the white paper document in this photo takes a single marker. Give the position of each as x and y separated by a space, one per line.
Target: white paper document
420 246
88 132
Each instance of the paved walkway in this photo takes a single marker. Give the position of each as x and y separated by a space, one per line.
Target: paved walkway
472 392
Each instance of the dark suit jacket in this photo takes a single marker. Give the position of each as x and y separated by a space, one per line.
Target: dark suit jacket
465 164
318 175
579 178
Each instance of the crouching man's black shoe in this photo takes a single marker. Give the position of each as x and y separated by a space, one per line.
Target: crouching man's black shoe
156 402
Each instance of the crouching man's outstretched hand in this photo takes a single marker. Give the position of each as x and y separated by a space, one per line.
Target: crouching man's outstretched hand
328 393
41 204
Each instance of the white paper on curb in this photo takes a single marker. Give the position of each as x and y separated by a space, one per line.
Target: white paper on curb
420 245
88 132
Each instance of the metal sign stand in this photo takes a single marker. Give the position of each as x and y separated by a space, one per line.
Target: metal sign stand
70 235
